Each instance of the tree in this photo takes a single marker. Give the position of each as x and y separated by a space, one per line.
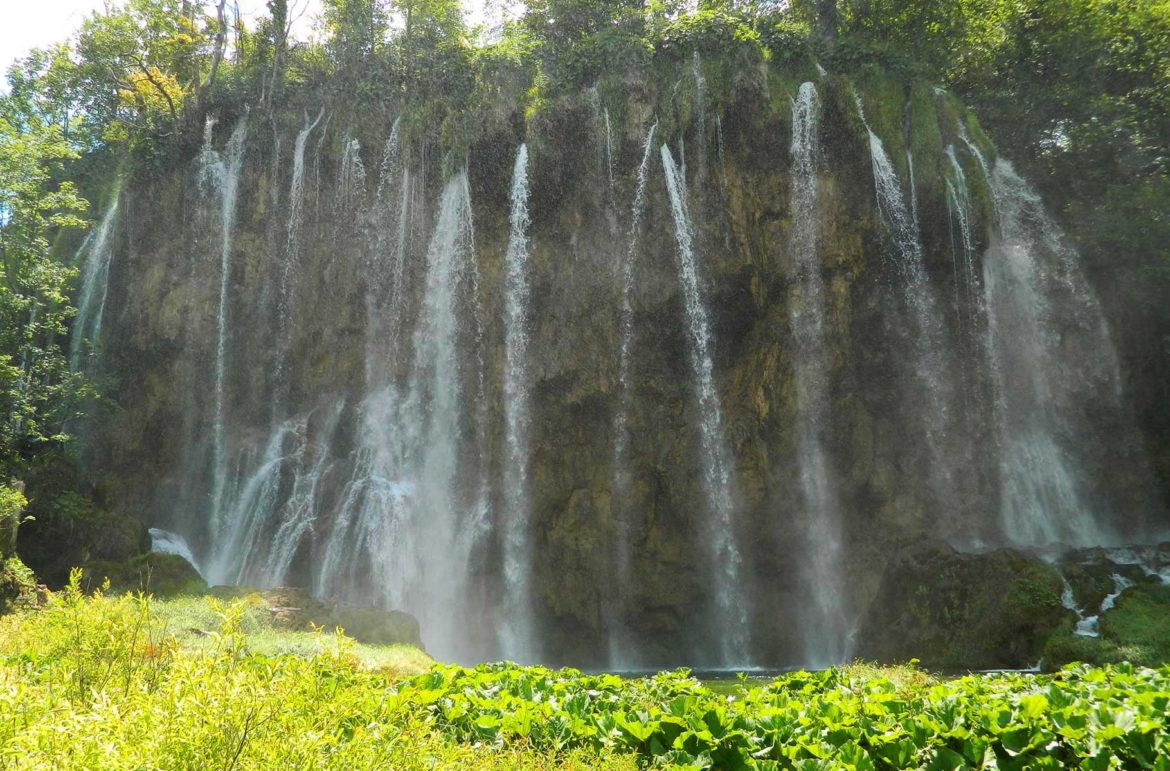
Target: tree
356 28
827 19
278 10
37 390
578 39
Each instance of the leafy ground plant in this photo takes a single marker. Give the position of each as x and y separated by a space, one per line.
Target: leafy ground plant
97 682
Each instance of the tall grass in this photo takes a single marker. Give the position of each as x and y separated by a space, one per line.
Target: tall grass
131 683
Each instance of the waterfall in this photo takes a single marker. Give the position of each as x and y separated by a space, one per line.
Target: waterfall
913 192
1050 353
252 506
700 116
516 631
608 150
959 204
96 254
930 360
229 182
827 622
165 542
299 510
399 537
621 438
296 192
385 294
283 367
725 558
351 179
720 151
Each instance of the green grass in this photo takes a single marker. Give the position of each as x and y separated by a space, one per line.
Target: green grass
128 682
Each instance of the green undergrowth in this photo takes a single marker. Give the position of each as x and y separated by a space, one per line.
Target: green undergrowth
130 682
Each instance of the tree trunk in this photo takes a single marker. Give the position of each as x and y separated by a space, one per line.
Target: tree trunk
827 19
217 54
279 10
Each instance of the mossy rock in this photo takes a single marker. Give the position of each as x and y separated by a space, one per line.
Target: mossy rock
957 612
1136 629
378 627
159 574
296 610
70 526
18 585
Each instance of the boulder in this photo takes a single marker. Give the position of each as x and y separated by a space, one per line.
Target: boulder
158 574
957 612
296 610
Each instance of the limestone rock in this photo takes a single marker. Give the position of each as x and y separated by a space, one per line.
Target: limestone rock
957 611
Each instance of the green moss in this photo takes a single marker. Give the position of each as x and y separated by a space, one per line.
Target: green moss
1140 621
1136 629
159 574
926 142
964 611
884 98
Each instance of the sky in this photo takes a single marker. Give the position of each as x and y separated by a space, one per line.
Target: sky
28 24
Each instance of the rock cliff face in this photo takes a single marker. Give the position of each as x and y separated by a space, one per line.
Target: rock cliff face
311 324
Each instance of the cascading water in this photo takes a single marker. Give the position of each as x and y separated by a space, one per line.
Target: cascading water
516 623
385 271
731 606
351 178
621 438
228 183
95 254
404 517
608 150
288 272
959 205
404 474
930 361
827 624
700 114
1038 305
164 542
268 512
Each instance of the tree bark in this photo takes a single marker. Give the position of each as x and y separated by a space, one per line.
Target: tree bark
279 11
827 19
217 54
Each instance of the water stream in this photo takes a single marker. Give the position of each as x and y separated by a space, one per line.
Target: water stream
621 485
517 420
95 255
730 604
826 628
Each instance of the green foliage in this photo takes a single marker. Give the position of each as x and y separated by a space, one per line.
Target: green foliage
37 391
17 584
160 574
138 63
70 523
788 40
12 505
706 31
851 718
356 29
127 682
578 40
